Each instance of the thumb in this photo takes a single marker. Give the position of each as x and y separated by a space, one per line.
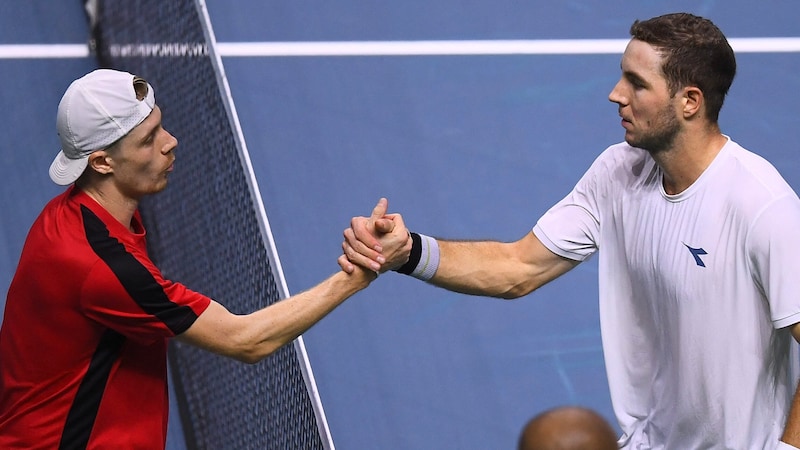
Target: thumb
379 210
384 225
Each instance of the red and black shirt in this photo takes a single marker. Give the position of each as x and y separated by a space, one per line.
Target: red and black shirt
84 337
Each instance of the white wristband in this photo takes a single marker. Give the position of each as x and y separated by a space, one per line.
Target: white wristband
784 446
428 260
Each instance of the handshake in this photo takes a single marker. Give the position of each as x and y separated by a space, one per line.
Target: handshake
378 243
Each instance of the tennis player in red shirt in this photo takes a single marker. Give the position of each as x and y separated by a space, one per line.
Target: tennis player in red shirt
88 315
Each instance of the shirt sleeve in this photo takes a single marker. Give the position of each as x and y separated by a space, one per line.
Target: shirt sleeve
571 228
773 245
129 295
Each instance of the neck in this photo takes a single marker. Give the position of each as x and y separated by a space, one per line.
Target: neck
119 206
688 158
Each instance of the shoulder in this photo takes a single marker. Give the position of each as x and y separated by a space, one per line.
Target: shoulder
622 166
758 194
754 173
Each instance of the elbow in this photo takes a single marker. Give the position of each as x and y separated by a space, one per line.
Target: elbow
251 360
248 350
517 291
242 338
509 296
253 355
243 353
247 357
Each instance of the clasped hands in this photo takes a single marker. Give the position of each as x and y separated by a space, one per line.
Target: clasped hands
378 243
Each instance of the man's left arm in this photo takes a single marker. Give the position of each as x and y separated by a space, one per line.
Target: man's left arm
791 433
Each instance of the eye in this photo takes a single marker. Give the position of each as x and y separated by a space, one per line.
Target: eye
635 82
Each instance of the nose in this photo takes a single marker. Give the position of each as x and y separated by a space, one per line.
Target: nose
616 95
171 144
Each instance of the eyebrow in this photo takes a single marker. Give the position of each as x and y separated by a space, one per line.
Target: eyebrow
150 133
634 77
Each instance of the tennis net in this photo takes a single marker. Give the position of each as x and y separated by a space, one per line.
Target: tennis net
208 231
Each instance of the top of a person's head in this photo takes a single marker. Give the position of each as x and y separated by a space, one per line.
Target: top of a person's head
695 52
96 111
568 428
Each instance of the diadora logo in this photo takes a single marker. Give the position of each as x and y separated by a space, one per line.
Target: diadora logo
697 252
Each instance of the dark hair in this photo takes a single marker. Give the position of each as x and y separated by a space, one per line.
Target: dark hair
695 53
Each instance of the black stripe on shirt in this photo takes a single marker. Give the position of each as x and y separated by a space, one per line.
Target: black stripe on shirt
134 277
82 414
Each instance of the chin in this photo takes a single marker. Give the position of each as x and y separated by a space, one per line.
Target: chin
158 188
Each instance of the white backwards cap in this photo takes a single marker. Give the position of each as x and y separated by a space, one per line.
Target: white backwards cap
96 111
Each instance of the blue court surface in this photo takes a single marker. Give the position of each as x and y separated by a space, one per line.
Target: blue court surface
465 146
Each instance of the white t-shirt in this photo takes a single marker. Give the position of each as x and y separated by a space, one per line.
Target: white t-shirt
695 290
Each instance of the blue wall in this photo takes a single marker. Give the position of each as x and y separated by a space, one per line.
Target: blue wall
464 146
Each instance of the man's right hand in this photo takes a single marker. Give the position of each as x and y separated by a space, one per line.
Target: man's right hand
379 242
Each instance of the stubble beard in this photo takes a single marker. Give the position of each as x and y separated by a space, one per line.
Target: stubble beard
661 137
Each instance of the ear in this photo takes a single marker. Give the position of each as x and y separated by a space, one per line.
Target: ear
100 162
693 102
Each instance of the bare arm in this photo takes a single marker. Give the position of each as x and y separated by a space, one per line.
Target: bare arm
252 337
489 268
791 434
498 269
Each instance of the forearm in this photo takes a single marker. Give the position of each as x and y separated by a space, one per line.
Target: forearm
283 321
252 337
791 433
487 268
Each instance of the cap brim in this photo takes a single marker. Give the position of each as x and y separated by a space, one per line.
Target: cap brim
64 171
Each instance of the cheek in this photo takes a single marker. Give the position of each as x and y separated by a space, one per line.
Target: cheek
139 170
644 112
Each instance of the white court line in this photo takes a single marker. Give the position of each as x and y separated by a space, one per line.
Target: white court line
395 48
413 48
495 47
34 51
